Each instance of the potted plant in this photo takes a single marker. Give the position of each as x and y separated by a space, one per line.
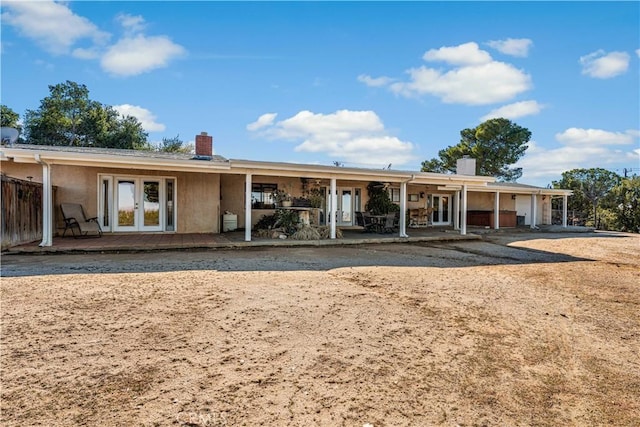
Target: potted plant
281 198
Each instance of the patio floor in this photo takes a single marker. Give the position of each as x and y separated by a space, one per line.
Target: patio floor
119 242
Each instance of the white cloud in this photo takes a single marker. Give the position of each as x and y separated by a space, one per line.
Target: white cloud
52 25
474 85
464 54
515 110
139 54
580 148
582 137
602 65
374 81
146 117
474 79
131 24
61 32
352 136
263 121
513 47
638 52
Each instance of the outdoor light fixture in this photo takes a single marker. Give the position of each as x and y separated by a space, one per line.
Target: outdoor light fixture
513 197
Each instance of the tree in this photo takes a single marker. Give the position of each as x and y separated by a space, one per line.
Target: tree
379 201
69 117
496 144
8 117
626 204
174 145
591 188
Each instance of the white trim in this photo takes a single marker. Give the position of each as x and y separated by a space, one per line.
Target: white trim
463 226
334 204
47 203
139 198
248 186
496 211
101 206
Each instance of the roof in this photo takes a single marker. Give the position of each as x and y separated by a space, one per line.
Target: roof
155 160
113 151
112 157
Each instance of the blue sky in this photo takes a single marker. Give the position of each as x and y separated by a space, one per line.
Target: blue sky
365 83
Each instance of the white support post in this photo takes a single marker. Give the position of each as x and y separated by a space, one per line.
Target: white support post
333 197
564 210
534 209
463 226
456 217
47 204
403 210
496 212
247 207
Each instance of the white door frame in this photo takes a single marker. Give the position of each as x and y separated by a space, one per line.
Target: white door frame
112 200
439 209
139 204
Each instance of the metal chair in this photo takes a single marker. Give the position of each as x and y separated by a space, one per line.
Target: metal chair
75 219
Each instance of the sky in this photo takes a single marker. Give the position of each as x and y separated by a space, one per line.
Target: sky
366 84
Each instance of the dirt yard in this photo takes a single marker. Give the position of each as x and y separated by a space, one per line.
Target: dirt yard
523 329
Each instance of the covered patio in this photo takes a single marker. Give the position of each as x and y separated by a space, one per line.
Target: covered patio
130 242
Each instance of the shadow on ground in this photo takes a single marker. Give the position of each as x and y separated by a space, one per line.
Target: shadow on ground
494 249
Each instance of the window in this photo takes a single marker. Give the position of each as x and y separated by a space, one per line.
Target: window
262 196
394 194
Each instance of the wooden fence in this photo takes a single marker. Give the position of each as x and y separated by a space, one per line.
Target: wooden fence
21 211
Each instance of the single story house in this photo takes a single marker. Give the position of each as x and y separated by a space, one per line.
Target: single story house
141 191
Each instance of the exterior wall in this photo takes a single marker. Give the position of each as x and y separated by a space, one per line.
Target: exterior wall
198 194
22 170
486 202
198 203
232 196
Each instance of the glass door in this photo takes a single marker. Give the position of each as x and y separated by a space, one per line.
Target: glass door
440 204
138 204
345 207
126 205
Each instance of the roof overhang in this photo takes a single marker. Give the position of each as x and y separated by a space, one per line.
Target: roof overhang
71 158
489 188
359 174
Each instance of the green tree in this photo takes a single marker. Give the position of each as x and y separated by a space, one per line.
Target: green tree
174 145
69 117
626 204
591 190
379 201
496 144
8 117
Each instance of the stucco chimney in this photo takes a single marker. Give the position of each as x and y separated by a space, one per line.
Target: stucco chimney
204 145
466 166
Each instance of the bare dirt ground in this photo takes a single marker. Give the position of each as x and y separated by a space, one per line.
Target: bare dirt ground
528 329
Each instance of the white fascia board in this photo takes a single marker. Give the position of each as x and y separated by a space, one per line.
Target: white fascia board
327 172
524 190
114 161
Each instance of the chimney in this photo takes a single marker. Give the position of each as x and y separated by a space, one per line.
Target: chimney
204 145
466 166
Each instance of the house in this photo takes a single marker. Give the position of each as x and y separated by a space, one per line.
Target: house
140 191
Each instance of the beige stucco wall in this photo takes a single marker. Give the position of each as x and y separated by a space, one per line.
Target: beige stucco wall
198 194
486 202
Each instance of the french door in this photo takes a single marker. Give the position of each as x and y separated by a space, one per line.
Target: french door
348 203
138 204
441 204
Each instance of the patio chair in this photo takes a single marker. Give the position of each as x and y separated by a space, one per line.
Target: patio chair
367 222
389 223
75 219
